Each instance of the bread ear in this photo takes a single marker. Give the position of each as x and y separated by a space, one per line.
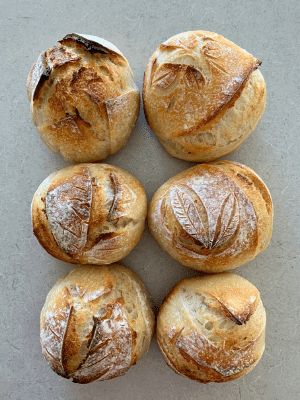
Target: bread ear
96 323
212 328
40 72
194 84
93 44
83 98
89 213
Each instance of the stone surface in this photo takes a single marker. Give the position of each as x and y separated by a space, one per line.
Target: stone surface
268 29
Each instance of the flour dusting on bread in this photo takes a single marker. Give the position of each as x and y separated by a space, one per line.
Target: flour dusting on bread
96 323
211 328
68 211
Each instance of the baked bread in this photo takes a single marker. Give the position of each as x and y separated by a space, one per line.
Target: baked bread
203 95
89 213
212 217
96 323
83 99
212 328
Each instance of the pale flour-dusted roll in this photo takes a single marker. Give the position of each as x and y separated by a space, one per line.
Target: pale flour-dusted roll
89 213
212 328
212 217
83 98
96 323
203 95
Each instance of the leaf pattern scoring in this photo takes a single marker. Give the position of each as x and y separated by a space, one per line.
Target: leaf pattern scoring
191 213
194 78
106 243
68 212
109 351
54 335
165 75
168 73
193 219
87 296
204 353
199 74
212 51
228 221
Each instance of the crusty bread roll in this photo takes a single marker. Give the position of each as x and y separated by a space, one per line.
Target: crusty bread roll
84 101
96 323
203 95
212 328
89 213
212 217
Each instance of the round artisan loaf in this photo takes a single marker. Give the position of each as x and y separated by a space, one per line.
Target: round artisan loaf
89 213
212 217
96 323
203 95
212 328
84 101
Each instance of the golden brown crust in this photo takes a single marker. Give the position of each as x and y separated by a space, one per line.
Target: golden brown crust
192 85
89 213
84 101
212 328
96 323
212 217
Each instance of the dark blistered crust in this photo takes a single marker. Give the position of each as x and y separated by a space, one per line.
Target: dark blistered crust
92 46
39 73
41 70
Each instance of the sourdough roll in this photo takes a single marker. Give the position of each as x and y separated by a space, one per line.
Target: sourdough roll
83 99
96 323
212 328
212 217
89 213
203 95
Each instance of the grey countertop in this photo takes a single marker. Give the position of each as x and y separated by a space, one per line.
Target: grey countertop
268 29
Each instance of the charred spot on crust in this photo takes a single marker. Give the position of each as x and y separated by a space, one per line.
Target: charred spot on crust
39 74
90 45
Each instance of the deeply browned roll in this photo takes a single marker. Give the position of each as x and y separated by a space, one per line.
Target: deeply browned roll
89 213
203 95
83 99
212 217
212 328
96 323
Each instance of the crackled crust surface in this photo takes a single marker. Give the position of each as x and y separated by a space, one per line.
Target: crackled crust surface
96 323
212 328
89 213
212 217
84 101
200 91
